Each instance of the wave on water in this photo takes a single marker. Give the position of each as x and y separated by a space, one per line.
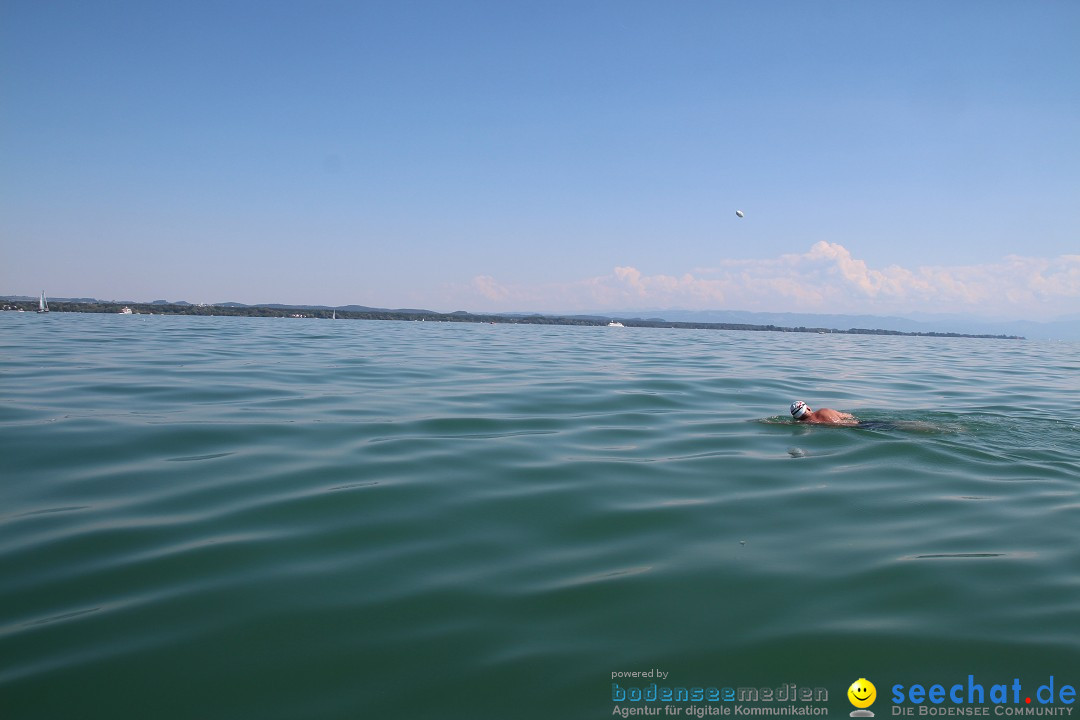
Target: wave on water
434 520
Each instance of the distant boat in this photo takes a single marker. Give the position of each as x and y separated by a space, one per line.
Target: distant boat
43 304
615 323
126 311
334 316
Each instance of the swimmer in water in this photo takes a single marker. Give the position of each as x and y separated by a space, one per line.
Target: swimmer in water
802 413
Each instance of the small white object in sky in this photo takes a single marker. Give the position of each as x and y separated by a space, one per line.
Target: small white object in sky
739 213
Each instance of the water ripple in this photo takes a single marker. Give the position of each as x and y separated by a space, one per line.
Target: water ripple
312 519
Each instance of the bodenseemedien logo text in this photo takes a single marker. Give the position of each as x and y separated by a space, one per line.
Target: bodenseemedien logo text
788 692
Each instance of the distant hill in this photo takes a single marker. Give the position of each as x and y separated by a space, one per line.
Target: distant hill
1064 328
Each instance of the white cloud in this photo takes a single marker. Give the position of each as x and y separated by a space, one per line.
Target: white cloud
635 284
487 287
826 278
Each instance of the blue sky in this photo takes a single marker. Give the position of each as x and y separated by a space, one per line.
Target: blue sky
890 157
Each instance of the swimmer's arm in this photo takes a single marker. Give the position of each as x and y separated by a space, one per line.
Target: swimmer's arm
840 418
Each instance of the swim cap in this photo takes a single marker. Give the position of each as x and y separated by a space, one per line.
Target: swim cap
798 409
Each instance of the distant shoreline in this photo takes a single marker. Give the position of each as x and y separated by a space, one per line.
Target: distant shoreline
282 311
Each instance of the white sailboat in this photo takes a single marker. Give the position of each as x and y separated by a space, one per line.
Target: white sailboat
43 304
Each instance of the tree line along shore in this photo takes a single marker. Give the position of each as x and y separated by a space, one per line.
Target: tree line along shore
280 311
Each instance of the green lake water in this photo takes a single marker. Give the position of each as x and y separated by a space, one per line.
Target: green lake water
262 518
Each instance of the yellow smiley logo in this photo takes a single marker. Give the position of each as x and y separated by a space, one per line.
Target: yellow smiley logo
862 693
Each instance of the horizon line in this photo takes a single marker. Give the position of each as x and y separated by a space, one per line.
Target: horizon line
628 314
